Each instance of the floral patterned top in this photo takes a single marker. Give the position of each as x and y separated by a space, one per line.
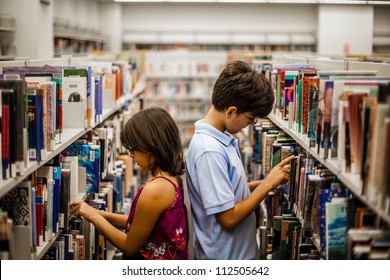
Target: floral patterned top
169 237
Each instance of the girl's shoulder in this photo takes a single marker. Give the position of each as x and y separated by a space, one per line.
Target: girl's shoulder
163 181
159 190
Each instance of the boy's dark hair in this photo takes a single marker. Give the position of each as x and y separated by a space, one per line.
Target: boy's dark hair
243 87
154 131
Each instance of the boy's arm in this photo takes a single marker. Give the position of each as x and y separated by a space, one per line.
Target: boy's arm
254 184
280 174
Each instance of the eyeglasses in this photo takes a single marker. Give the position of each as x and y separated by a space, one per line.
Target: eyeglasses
253 120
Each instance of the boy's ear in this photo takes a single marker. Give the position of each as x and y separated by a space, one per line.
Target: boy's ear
231 110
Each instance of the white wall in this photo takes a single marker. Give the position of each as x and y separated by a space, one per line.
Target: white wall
110 15
34 27
218 21
84 13
340 26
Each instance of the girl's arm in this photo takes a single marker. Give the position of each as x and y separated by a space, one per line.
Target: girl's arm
156 196
117 220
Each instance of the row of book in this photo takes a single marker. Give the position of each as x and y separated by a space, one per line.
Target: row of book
93 168
39 102
313 216
342 117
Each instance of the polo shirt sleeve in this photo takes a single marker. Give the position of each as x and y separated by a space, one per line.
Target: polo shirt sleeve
214 185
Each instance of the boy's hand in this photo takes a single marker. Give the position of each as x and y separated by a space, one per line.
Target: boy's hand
280 174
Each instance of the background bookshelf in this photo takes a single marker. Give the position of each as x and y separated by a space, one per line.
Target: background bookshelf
7 34
181 82
71 38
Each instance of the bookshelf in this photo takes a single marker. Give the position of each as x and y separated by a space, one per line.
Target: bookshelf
7 34
181 82
324 173
71 38
69 136
352 181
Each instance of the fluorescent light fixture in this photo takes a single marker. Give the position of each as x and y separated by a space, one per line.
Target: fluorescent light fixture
378 2
334 2
166 1
342 2
237 1
294 1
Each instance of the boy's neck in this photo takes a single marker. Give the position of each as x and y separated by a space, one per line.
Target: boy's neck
215 119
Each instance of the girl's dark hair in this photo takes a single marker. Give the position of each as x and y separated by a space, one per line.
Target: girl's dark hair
154 131
243 87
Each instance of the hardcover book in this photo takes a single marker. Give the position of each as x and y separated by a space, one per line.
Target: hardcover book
336 230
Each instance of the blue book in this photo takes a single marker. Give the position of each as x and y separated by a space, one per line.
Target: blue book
34 216
56 197
336 229
98 97
324 197
68 240
89 157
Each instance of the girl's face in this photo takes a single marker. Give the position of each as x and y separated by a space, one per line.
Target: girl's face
144 160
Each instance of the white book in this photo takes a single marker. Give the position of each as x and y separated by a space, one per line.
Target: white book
71 162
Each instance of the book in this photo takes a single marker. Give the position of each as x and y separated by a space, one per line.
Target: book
36 147
74 97
326 109
313 110
355 105
44 175
71 163
17 152
336 229
89 157
6 134
17 203
64 198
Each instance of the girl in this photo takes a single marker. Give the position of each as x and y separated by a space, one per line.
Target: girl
157 226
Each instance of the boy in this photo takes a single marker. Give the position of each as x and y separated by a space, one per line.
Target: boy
222 201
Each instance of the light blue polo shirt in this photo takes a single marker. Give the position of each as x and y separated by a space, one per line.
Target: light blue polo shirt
216 180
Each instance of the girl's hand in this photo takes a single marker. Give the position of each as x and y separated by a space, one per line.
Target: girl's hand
80 208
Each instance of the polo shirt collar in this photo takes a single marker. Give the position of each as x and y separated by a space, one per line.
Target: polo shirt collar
224 138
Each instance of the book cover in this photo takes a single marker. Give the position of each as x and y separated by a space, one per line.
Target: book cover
313 110
98 97
40 213
17 123
88 157
305 104
71 163
355 105
325 106
377 185
74 90
17 203
289 91
56 197
6 133
44 175
336 230
64 198
34 139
